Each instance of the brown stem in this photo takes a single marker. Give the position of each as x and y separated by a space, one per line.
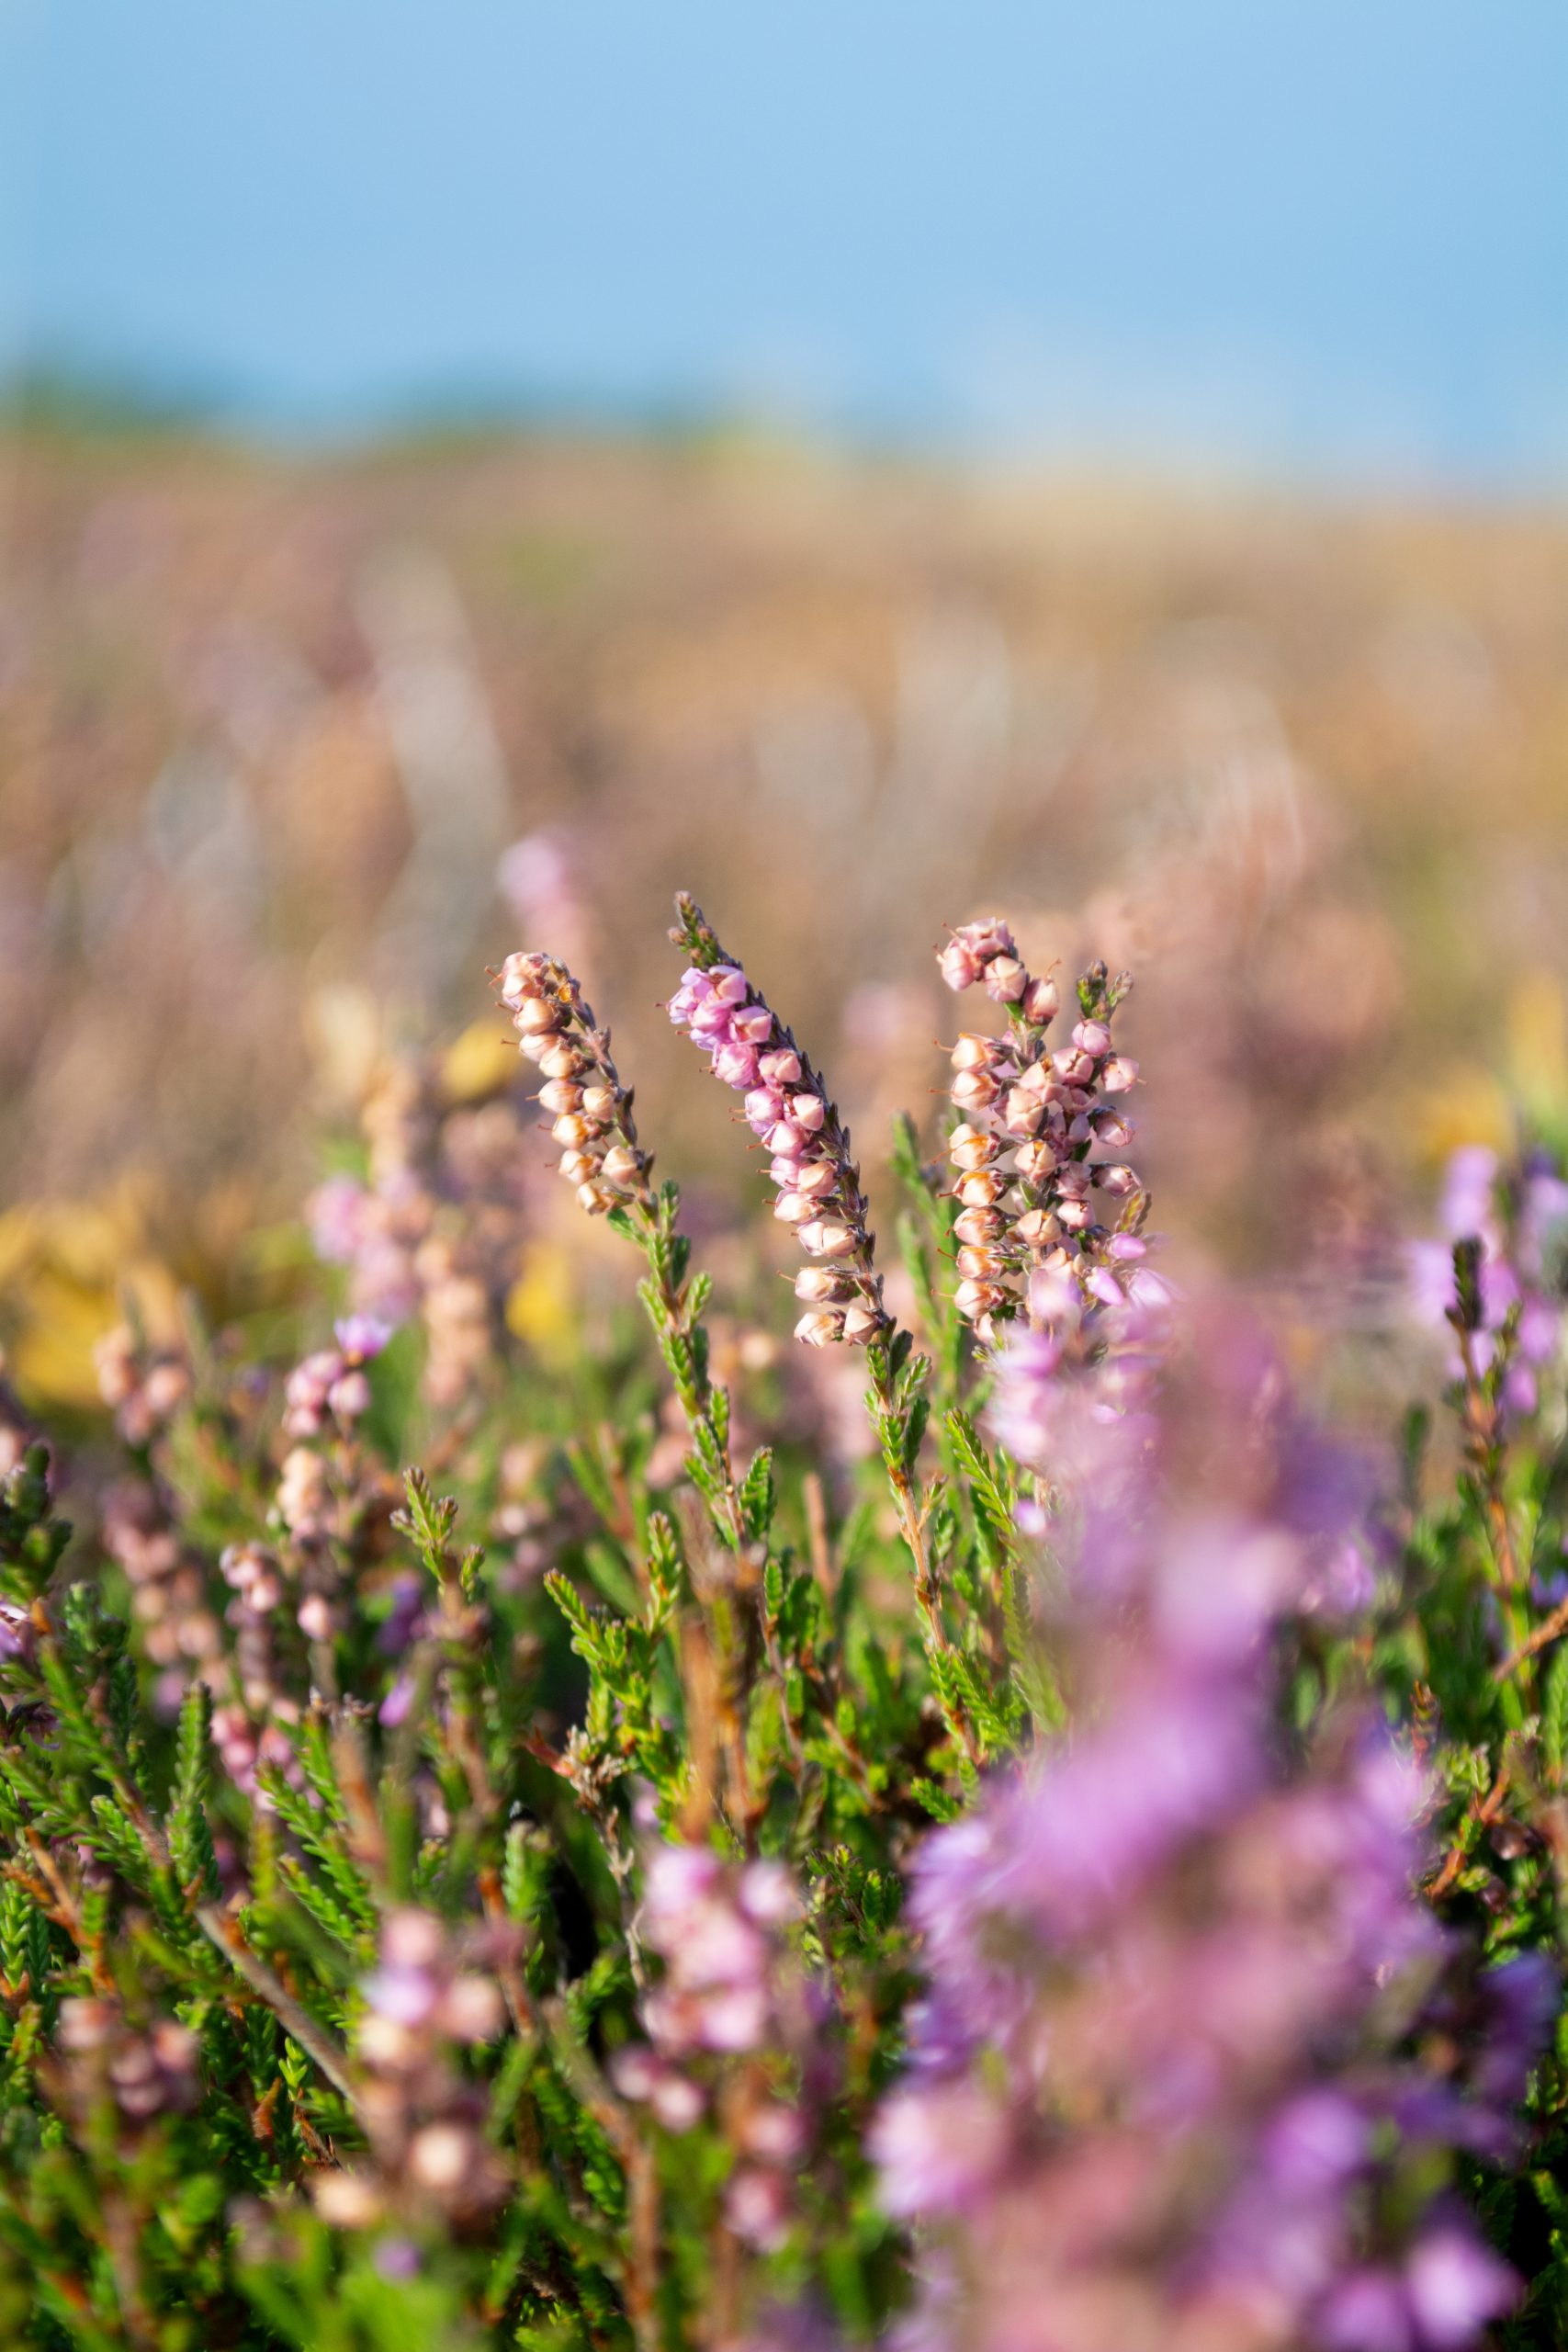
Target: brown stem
640 2278
226 1934
927 1598
1544 1634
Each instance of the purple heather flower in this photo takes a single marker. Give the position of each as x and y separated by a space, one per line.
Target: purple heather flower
1149 2081
786 1107
1455 2285
361 1336
394 1708
406 1996
336 1213
938 2148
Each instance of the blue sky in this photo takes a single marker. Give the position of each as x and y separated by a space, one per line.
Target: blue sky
1320 235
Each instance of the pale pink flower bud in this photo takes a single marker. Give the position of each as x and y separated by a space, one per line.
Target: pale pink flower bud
560 1096
787 1139
1035 1228
779 1067
1111 1129
793 1208
1036 1160
470 2009
752 1025
1024 1110
862 1323
1073 1066
621 1165
756 2207
1004 979
973 1089
958 964
827 1237
1074 1215
981 1190
1116 1180
817 1179
735 1065
991 937
972 1051
817 1329
676 2100
345 2200
712 1022
517 980
729 985
535 1015
560 1058
442 2156
579 1167
977 1226
1093 1036
350 1396
1041 1001
598 1101
971 1148
981 1264
1118 1074
316 1617
776 2133
815 1284
808 1111
572 1128
534 1049
762 1106
973 1298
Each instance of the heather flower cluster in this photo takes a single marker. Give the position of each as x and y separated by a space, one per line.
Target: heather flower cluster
1153 2094
1085 1876
731 2023
788 1110
1517 1308
582 1096
434 1232
1028 1119
424 2125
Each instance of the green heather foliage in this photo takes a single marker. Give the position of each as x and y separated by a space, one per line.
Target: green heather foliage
342 2002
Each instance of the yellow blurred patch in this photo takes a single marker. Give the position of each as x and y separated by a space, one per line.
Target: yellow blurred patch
70 1270
1536 1032
479 1062
541 1308
1468 1106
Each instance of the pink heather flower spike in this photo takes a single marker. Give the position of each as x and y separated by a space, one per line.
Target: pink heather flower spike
590 1111
788 1108
1028 1121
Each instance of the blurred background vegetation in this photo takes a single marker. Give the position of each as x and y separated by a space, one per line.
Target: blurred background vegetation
991 610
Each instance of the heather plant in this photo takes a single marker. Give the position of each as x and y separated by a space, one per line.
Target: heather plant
588 1892
1471 1621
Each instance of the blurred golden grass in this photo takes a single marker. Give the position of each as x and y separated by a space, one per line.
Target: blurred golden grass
266 725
